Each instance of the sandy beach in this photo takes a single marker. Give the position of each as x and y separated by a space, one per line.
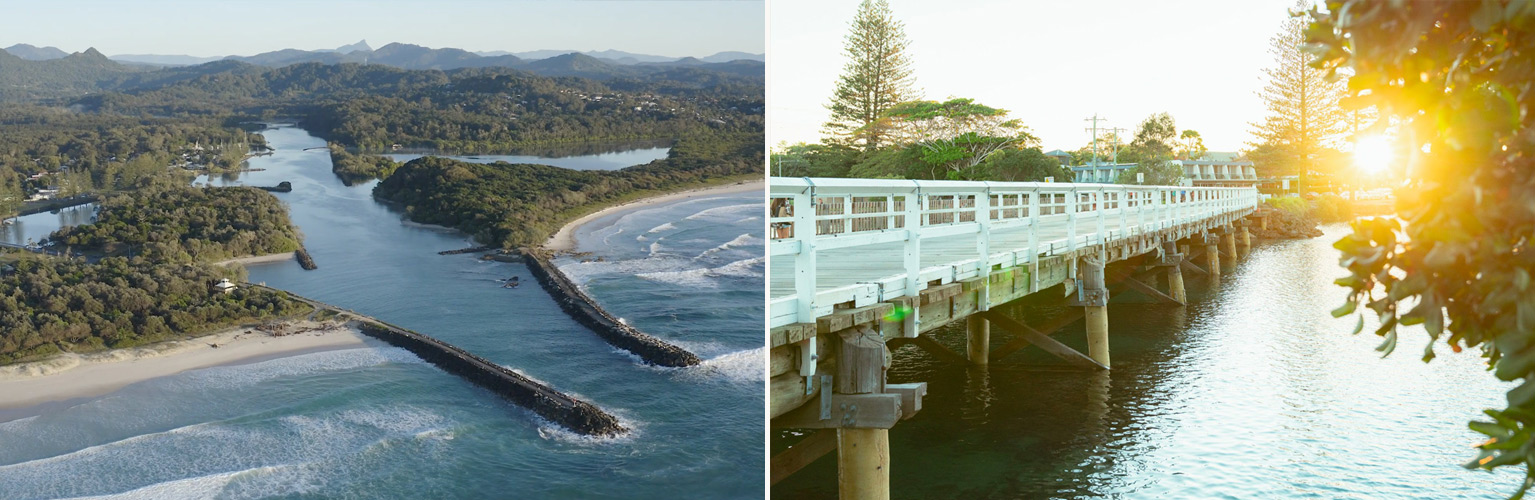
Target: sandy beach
72 376
256 259
565 239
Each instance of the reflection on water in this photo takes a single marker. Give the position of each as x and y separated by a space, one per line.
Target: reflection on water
33 228
1253 391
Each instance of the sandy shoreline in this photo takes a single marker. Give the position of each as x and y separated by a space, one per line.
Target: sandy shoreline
256 259
565 239
73 376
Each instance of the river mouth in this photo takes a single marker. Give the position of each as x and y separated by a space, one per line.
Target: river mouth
372 422
1252 390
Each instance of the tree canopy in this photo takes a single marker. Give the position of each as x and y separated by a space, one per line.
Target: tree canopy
876 77
1303 113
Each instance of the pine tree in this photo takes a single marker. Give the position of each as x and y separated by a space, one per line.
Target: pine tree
1303 112
877 76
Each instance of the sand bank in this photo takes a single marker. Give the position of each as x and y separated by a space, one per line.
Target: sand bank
72 376
565 239
257 259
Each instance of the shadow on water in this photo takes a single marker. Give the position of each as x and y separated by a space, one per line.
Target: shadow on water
1253 387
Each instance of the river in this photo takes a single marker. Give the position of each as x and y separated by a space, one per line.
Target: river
1253 391
378 423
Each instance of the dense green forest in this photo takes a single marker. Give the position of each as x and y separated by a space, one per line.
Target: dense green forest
186 224
88 152
517 205
352 168
52 305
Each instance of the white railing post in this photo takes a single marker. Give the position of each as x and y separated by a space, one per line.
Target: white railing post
913 260
1034 226
1124 198
1072 200
1102 208
1141 198
983 236
804 262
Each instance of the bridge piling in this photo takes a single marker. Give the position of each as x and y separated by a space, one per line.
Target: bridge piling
978 342
1171 260
1247 239
1212 255
1095 302
1229 238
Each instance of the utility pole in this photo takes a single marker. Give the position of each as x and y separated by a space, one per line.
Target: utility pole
1095 119
1117 138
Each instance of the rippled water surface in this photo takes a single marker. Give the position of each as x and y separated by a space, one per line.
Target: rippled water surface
1254 391
377 422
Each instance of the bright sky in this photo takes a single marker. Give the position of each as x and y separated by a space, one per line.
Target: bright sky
1200 60
218 28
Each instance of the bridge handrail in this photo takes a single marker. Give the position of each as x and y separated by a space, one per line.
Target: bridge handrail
857 212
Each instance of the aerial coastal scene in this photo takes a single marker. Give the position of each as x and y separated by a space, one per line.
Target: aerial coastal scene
518 251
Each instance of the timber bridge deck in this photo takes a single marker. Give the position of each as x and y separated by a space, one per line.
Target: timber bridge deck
889 261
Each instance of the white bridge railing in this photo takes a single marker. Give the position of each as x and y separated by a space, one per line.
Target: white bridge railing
850 213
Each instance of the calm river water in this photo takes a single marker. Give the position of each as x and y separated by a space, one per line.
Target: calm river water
379 423
1254 391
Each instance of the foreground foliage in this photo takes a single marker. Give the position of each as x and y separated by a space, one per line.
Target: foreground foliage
1457 81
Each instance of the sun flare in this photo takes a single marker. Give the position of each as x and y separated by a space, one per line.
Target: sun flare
1372 154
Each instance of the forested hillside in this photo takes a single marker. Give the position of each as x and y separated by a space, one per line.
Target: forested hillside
518 205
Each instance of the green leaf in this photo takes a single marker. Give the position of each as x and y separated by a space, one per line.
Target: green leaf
1346 309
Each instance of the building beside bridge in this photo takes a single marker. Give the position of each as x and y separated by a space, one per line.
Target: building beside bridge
1212 170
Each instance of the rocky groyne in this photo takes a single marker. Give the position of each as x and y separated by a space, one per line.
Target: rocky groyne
586 311
304 260
568 412
571 413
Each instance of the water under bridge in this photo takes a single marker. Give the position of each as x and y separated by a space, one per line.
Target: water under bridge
890 261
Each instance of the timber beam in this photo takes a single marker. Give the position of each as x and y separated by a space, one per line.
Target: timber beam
1050 345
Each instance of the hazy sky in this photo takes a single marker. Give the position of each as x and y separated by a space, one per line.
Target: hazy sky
1200 60
220 27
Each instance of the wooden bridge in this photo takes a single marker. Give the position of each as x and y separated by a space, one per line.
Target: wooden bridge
889 261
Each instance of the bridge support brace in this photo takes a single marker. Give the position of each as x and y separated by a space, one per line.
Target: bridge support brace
1095 305
978 345
1247 241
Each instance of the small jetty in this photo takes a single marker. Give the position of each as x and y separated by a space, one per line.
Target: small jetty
281 187
571 413
465 250
304 260
586 311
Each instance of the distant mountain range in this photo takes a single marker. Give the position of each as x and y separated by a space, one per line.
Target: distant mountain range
394 54
32 53
37 72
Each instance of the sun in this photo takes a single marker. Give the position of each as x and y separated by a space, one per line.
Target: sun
1372 154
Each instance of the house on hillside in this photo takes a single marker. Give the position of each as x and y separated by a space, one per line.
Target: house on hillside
224 286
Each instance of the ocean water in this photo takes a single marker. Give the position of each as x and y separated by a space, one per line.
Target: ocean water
376 422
